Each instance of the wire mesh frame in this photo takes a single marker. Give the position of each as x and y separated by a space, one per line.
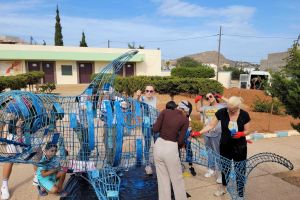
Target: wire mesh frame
106 183
236 173
90 139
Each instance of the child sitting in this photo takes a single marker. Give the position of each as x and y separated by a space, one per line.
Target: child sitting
50 177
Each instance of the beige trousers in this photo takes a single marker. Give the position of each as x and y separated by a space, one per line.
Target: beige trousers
168 168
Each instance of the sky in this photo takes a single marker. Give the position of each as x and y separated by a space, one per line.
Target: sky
250 28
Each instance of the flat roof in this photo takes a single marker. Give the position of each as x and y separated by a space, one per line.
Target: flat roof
61 55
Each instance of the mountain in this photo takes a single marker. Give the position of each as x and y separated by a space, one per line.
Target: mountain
211 57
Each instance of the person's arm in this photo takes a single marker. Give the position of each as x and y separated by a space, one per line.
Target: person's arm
247 128
219 96
138 95
157 125
198 103
213 123
243 133
182 133
48 172
199 108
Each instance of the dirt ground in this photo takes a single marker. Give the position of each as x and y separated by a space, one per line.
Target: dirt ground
260 122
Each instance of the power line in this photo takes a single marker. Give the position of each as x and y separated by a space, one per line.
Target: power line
263 37
168 40
179 39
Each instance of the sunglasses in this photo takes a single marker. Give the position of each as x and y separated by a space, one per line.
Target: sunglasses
209 97
149 91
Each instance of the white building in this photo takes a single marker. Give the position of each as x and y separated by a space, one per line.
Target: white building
73 65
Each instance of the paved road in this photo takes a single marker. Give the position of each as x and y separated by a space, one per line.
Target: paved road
262 184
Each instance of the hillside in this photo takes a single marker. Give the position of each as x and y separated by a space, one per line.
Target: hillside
212 57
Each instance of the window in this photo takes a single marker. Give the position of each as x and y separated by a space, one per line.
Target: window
66 70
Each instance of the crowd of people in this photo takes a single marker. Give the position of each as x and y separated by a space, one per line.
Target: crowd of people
226 125
225 130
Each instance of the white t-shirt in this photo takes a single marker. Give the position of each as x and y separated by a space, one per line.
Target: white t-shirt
209 114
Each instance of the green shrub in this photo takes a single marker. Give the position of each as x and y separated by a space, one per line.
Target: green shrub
16 82
33 77
167 85
187 62
266 106
196 72
3 83
21 80
47 88
196 125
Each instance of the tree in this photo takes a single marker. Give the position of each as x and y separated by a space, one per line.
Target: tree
83 42
131 46
235 72
141 47
58 38
44 43
187 62
286 84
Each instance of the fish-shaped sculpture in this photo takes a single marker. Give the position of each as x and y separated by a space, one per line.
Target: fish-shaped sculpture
100 132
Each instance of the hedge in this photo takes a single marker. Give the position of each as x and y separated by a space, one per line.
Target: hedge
20 81
196 72
167 85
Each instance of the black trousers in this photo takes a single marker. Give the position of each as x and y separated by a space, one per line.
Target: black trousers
237 153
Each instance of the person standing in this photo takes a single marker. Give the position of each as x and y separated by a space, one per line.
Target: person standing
149 103
172 126
211 138
235 125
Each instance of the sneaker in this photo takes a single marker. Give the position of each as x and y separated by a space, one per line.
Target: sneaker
148 170
35 181
4 192
219 180
209 173
220 193
42 191
193 172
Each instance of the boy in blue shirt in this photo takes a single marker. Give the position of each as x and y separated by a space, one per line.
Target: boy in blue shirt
50 177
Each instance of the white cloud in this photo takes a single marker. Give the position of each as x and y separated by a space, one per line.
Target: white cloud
98 31
179 8
17 6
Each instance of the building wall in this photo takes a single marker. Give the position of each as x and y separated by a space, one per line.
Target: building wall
150 65
98 66
66 79
274 62
11 67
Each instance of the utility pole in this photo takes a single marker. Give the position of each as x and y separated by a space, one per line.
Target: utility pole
219 47
108 43
31 40
298 39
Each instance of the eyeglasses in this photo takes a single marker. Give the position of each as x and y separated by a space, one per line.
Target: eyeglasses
209 97
149 91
